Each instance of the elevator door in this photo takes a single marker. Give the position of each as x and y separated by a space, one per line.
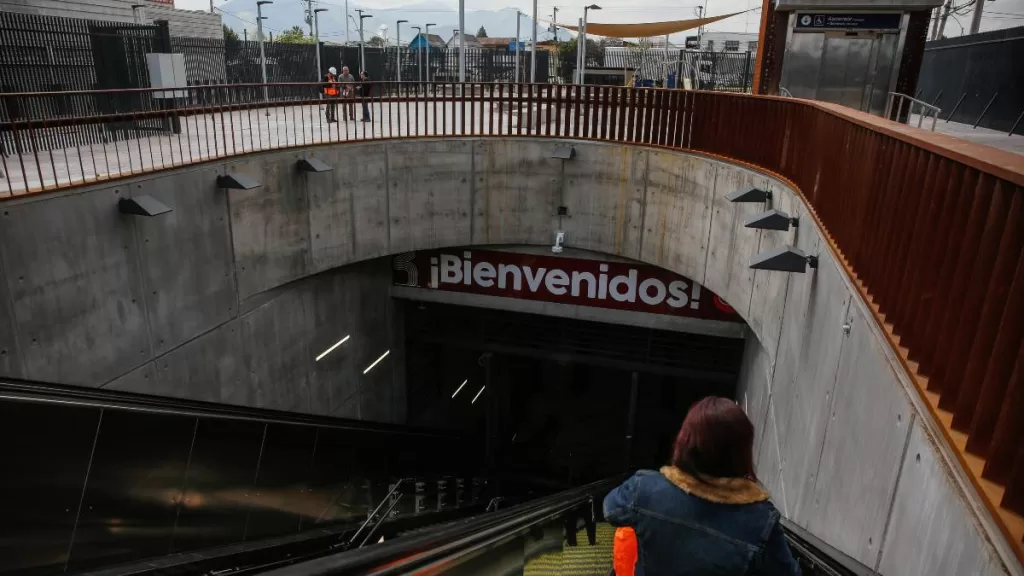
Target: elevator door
848 68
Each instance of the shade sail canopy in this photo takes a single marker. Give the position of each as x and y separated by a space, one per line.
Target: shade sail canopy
649 29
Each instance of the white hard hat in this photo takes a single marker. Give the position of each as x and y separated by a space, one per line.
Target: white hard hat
332 70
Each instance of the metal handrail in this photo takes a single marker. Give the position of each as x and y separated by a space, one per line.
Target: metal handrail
899 99
450 541
373 514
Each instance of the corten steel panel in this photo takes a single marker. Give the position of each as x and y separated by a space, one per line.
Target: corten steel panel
1013 498
1008 253
908 267
217 490
1009 426
971 308
46 456
279 497
941 305
1000 366
966 255
134 488
929 257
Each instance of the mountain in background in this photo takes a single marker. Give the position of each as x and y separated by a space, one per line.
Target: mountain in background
241 14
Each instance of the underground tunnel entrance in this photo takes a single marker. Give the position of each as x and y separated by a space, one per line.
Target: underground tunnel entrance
560 396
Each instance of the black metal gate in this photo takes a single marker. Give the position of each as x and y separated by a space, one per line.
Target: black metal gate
52 57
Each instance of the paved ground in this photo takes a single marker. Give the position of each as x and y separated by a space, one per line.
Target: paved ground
1011 143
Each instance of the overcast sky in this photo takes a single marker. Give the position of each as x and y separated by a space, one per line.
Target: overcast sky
998 13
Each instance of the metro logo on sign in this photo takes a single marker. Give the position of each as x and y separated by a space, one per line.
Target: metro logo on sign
622 286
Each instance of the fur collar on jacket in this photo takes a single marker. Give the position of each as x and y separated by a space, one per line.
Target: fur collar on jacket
718 490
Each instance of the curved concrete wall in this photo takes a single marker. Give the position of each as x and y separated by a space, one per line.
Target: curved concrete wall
844 443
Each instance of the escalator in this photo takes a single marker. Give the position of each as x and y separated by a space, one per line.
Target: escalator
128 483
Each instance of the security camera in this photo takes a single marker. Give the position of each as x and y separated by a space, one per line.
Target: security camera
559 238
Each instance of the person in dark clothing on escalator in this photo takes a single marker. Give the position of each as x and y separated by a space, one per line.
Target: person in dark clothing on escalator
705 513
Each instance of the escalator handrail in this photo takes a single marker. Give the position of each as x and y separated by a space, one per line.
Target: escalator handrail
17 390
448 542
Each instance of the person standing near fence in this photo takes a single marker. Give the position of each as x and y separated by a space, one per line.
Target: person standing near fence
365 91
330 91
348 93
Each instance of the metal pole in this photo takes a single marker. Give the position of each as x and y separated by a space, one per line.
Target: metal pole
419 69
362 59
516 51
347 39
976 17
533 51
935 21
263 54
462 40
579 51
398 48
945 16
583 51
427 38
316 39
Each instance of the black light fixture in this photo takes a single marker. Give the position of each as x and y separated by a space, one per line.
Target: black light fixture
313 164
236 182
788 259
752 195
772 220
564 152
142 206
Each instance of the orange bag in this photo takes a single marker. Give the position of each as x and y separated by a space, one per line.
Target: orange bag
624 552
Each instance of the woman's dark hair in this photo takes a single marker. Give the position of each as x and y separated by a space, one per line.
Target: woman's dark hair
716 439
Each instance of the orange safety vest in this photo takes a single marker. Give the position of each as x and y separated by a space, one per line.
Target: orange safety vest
624 552
331 89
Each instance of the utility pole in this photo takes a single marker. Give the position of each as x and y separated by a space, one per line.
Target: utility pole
316 39
462 41
976 18
700 29
579 51
398 48
533 52
245 34
516 52
554 24
427 38
945 16
211 6
263 54
309 16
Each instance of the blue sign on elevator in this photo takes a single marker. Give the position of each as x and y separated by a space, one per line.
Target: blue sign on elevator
835 21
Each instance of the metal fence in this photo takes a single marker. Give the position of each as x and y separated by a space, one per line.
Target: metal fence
976 79
718 71
63 55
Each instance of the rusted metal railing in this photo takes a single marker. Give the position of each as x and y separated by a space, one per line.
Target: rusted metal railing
931 228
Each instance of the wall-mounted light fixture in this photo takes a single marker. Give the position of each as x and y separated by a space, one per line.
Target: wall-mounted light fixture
478 394
788 259
331 349
377 361
142 206
772 220
236 182
312 164
564 152
752 195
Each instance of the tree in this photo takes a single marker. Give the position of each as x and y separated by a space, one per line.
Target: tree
481 33
230 35
294 35
376 41
567 57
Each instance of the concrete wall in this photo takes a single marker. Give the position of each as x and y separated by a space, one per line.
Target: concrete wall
192 23
844 443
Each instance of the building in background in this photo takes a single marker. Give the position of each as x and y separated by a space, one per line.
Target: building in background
191 23
728 42
471 41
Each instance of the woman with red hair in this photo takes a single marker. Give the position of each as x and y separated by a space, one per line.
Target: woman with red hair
705 513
